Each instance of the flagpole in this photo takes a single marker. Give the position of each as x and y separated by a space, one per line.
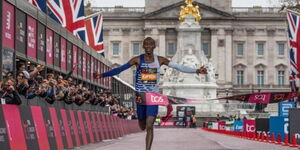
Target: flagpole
93 15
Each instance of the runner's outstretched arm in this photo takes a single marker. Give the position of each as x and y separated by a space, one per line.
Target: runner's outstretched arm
117 70
181 68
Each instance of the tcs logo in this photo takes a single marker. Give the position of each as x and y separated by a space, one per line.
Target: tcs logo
250 128
156 99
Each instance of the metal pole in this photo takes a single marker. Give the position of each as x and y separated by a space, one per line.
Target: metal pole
1 13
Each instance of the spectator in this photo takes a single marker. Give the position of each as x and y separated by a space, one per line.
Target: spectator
8 94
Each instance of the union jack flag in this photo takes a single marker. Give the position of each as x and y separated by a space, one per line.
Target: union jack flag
40 4
294 47
94 32
70 14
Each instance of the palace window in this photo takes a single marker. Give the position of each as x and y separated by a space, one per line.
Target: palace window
240 77
205 48
260 48
116 48
240 49
171 49
281 48
136 48
281 78
260 78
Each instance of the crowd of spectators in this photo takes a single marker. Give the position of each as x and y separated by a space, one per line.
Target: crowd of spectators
51 88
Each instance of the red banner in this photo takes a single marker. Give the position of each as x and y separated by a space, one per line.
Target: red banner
100 126
56 128
221 125
8 25
14 127
88 121
67 128
31 37
63 53
94 125
82 127
49 47
40 127
84 62
75 58
74 125
168 123
249 127
92 68
263 98
104 123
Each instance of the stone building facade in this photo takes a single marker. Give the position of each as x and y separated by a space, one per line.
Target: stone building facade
248 46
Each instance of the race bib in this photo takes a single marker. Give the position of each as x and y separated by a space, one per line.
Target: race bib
3 101
149 76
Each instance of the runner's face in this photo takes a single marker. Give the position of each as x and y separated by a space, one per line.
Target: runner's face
149 46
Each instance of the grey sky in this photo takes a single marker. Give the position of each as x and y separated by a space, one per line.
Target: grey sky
141 3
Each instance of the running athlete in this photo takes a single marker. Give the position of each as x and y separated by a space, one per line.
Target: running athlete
147 80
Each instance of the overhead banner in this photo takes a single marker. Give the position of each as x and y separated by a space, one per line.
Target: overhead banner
88 64
69 56
84 62
294 126
63 54
79 68
31 37
49 47
8 25
75 59
92 68
20 44
41 43
56 50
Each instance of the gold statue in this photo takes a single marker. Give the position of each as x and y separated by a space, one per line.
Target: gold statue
190 9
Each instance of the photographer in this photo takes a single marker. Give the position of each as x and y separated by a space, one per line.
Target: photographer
8 94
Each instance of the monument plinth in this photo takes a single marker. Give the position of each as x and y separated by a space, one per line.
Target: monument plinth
189 53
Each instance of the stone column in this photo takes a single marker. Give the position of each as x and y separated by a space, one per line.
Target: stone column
271 51
228 56
250 53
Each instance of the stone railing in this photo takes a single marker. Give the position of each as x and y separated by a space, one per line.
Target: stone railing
264 10
119 9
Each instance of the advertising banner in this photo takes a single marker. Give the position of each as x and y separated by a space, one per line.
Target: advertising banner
238 125
215 125
105 128
249 127
284 108
56 128
92 68
82 127
75 59
31 37
40 127
94 126
62 128
20 44
49 46
69 56
262 98
100 126
84 62
67 128
88 66
14 128
229 125
221 125
8 25
63 54
294 128
262 125
78 127
56 50
89 127
41 42
169 123
79 68
4 141
49 129
279 125
75 128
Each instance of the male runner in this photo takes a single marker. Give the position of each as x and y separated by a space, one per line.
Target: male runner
147 80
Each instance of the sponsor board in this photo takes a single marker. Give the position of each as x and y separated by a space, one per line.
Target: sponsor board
262 125
284 108
279 125
249 127
294 126
238 125
169 123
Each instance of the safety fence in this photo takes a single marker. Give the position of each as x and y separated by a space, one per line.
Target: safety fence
34 127
260 137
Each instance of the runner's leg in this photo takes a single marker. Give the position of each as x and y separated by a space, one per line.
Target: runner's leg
149 128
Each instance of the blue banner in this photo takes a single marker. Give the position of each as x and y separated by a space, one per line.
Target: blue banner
284 108
279 125
238 125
